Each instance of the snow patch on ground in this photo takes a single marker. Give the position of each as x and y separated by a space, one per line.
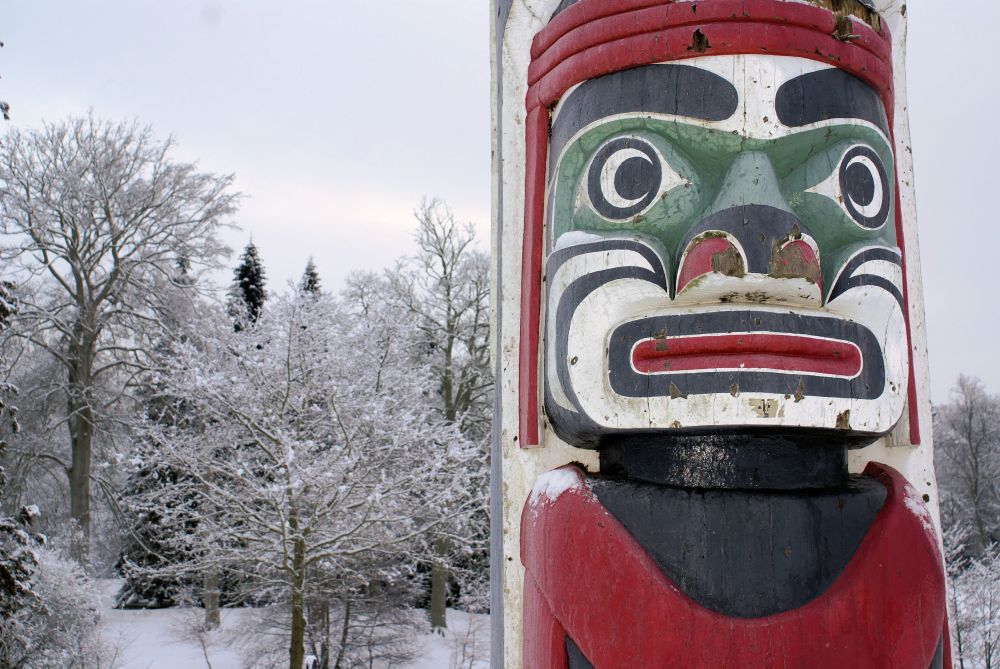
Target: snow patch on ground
553 484
164 638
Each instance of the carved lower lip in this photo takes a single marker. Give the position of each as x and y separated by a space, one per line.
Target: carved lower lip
761 351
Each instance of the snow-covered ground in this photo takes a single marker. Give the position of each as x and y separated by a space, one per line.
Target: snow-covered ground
163 639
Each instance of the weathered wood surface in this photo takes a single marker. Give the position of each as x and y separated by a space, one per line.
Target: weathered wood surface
707 280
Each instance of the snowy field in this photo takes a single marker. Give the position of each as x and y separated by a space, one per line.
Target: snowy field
162 639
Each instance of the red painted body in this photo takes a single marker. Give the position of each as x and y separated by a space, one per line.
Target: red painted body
591 39
588 578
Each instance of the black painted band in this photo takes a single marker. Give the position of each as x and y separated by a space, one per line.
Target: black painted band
732 461
848 280
746 554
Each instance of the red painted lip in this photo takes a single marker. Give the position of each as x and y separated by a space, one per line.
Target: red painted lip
749 351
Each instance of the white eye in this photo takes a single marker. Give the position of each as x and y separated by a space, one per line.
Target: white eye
625 176
865 187
860 184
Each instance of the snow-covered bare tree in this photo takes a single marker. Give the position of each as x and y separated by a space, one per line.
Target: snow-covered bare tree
101 213
321 459
967 455
974 595
446 286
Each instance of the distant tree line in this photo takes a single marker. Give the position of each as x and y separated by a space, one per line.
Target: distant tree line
967 460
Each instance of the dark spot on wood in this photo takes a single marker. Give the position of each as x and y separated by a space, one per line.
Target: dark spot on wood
734 389
844 420
800 391
675 393
843 29
729 263
699 43
790 263
855 8
927 498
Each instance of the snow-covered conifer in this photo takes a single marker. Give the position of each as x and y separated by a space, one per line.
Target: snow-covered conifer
309 282
247 293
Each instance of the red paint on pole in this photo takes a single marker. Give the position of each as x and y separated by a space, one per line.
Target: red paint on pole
537 125
699 259
886 609
750 351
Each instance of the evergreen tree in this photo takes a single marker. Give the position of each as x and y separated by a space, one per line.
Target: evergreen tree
152 560
310 279
17 547
247 293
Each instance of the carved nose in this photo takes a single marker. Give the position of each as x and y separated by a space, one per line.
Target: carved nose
745 252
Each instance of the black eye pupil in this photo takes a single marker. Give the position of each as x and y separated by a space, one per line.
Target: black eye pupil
634 183
864 187
635 178
860 184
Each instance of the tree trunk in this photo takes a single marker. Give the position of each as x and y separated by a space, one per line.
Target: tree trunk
81 442
319 626
80 412
344 629
324 644
439 587
297 647
210 596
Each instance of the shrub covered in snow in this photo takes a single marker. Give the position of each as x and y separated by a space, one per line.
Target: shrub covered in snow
60 624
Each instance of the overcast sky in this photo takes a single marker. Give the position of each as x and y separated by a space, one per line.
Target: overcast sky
338 117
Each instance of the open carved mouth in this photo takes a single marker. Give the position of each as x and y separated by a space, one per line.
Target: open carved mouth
751 350
763 351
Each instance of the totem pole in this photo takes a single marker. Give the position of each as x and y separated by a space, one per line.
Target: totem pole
713 422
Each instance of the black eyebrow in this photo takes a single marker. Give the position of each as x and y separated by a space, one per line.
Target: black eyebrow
680 90
829 94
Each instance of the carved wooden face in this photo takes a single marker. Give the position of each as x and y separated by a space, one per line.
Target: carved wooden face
722 252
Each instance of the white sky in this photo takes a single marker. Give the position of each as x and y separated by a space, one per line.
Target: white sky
337 117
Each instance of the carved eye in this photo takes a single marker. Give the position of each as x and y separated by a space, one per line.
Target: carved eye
864 187
626 175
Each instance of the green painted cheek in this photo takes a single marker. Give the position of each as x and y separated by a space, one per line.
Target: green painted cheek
725 170
836 234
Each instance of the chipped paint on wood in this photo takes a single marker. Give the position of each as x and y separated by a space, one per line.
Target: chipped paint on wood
653 249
